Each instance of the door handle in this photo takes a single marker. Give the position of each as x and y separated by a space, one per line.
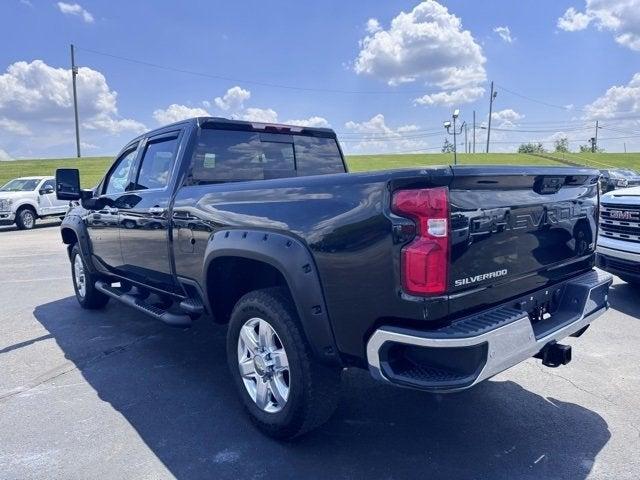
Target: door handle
156 211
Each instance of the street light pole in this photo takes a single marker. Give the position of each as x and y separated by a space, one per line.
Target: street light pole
455 142
447 125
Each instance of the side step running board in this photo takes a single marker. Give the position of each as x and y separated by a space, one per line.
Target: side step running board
173 319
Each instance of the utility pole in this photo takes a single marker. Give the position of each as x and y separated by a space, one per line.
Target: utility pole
474 131
625 147
466 143
595 139
491 98
74 73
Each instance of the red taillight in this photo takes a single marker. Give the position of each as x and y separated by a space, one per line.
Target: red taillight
425 261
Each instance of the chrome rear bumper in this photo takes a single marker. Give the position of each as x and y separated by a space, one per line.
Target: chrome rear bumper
476 348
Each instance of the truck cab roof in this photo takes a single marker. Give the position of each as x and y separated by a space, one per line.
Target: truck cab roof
232 124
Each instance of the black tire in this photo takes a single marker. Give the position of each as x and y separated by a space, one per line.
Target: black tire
313 388
92 299
26 219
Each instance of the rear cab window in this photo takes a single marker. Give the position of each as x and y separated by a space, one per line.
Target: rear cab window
234 156
157 163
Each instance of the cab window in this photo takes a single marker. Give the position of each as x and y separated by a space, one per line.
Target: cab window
157 163
118 178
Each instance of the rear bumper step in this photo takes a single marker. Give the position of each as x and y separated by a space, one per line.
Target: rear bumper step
478 347
170 318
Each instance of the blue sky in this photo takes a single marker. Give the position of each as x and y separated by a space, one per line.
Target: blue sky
578 56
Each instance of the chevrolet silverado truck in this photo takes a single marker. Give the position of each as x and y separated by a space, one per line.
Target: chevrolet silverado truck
618 248
431 278
24 200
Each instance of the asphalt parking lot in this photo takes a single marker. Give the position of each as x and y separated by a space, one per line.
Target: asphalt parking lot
114 394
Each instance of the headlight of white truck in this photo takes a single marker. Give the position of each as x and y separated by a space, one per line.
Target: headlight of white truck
5 205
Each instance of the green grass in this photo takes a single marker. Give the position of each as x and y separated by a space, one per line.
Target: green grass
92 169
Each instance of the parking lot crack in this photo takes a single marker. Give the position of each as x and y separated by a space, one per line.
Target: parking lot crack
572 383
70 367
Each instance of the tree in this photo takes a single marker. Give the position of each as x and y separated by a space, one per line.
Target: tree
587 149
447 147
531 148
561 145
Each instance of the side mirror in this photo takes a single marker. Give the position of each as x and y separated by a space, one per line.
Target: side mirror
68 184
46 190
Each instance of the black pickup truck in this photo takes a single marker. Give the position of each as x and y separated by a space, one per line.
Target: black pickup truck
432 278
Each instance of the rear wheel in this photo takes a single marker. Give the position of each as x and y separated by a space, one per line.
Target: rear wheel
84 283
26 219
283 388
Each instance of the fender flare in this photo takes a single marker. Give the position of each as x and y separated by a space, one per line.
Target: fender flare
77 226
25 202
294 261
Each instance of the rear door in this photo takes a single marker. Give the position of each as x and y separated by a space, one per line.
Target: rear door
144 213
518 229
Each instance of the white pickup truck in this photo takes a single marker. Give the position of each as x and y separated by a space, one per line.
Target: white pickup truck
24 200
619 235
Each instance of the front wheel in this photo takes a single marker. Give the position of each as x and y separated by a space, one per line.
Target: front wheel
84 283
26 219
283 388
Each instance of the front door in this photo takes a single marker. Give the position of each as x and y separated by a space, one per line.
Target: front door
103 222
49 203
144 215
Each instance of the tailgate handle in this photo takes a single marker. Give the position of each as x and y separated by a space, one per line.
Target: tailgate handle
548 185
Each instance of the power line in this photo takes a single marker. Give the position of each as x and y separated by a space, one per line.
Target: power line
570 141
251 82
526 97
390 133
544 131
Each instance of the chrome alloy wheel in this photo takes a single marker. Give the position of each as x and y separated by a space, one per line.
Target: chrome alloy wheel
263 365
28 220
78 275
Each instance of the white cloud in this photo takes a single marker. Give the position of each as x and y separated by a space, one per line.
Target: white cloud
232 106
35 97
617 101
504 33
27 3
233 99
621 17
425 44
318 122
452 97
373 26
175 113
14 127
572 20
506 118
264 115
75 9
4 156
375 136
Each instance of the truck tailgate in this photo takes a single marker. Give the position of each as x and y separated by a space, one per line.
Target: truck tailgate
513 232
